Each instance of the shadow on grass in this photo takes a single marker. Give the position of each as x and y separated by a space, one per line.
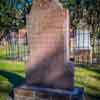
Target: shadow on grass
94 68
13 78
92 93
7 58
4 57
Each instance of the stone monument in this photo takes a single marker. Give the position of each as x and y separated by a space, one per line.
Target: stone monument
48 34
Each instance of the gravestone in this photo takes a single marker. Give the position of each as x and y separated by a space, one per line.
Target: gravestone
48 34
46 30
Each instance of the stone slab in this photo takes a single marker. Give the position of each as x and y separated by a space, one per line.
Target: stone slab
25 92
48 35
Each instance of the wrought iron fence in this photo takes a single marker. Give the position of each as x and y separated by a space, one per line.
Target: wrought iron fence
14 48
83 48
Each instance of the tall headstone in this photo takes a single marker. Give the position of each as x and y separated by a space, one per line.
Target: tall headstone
48 62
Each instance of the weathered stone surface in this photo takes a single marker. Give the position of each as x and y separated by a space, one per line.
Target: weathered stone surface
25 92
46 29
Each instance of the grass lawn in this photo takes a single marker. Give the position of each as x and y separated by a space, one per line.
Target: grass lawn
87 77
10 66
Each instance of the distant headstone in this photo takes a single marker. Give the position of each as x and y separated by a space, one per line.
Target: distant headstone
48 62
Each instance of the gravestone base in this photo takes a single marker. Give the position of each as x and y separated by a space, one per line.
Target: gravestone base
25 92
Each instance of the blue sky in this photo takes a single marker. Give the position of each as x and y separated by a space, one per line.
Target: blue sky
19 5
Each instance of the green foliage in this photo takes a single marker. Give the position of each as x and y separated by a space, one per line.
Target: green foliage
87 10
68 3
10 16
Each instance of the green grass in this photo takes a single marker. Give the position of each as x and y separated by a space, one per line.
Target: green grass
89 78
3 52
8 51
85 76
11 66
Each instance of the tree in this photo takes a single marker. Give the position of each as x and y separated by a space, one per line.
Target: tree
14 11
89 11
12 14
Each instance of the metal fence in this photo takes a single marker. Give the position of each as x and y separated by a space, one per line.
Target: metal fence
14 48
83 48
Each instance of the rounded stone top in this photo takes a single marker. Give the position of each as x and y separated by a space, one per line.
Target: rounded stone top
45 4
